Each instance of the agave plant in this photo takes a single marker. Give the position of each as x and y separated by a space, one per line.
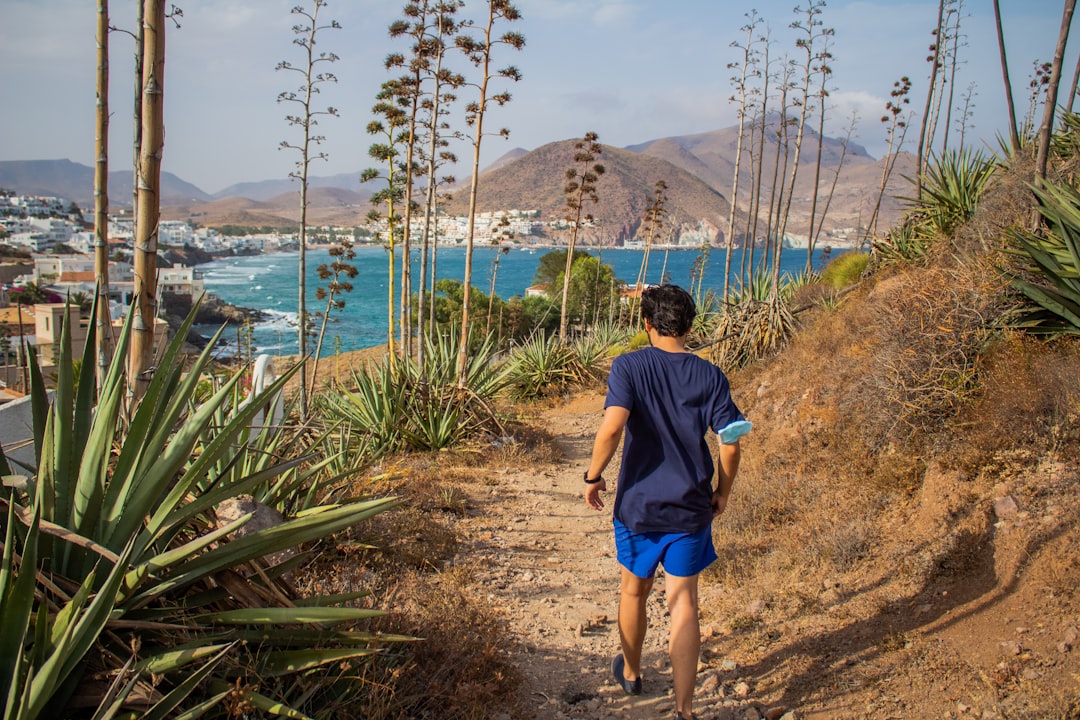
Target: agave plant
543 365
117 582
395 406
905 243
1054 257
952 188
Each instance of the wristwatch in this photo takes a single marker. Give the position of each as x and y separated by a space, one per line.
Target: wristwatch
595 480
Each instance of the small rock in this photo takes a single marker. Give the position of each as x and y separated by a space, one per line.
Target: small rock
756 607
790 715
1071 635
725 713
710 683
775 713
1031 674
729 665
1005 507
962 708
750 713
742 690
1064 647
1011 647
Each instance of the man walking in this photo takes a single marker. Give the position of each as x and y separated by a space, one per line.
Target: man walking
666 399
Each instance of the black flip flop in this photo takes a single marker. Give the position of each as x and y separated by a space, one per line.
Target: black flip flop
617 666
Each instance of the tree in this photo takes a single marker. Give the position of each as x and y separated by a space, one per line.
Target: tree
580 187
501 232
935 67
824 70
592 288
141 354
552 265
653 217
103 320
307 118
813 32
431 36
1050 107
479 51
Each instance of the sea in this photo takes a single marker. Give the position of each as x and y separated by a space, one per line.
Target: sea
268 282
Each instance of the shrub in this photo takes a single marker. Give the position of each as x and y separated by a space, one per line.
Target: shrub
845 270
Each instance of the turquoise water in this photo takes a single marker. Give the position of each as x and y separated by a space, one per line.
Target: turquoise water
268 283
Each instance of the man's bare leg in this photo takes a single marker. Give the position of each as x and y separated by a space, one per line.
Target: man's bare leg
685 645
633 592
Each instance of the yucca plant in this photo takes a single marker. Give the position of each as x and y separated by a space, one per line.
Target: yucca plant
595 346
951 189
1053 256
397 406
118 583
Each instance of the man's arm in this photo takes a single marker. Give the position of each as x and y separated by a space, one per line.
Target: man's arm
604 447
729 457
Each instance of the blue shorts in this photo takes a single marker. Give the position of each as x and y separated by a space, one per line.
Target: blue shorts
682 554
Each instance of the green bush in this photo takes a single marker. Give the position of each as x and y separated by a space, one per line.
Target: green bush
845 270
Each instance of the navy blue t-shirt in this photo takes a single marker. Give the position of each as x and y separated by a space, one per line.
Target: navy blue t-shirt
674 399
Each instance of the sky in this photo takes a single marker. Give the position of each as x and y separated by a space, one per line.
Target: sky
628 70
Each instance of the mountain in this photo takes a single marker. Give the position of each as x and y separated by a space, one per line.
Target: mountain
268 189
711 156
326 206
698 170
75 182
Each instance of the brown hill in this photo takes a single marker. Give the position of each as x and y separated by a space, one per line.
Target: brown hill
711 156
535 181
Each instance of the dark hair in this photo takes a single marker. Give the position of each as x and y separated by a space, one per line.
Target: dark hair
669 309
